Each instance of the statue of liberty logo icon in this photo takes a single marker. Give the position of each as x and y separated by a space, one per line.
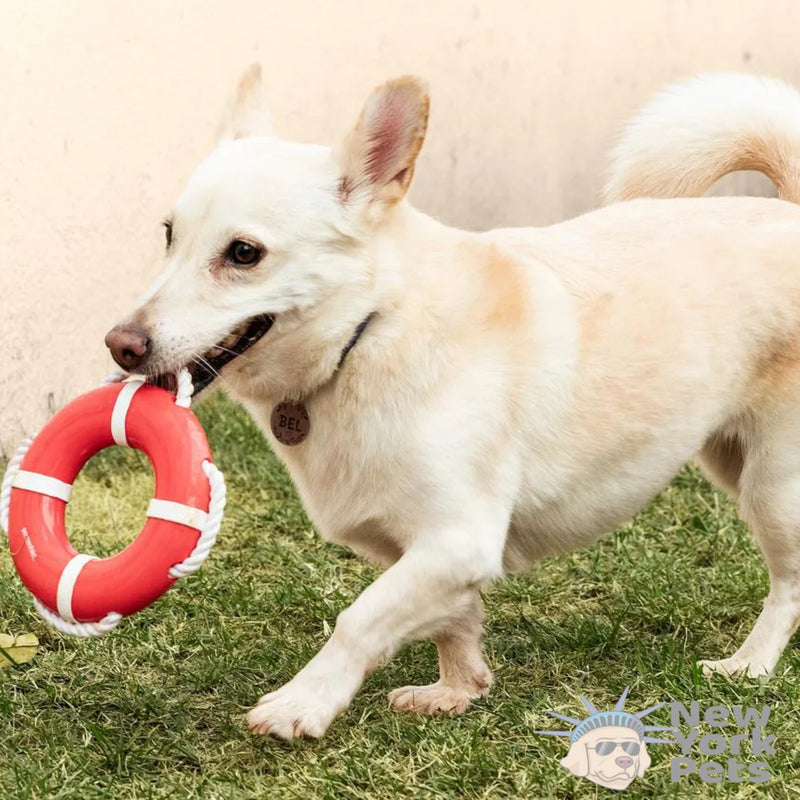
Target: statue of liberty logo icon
609 747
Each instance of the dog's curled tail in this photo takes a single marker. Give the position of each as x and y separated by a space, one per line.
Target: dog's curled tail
695 132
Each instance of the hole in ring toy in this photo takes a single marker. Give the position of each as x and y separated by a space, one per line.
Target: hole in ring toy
86 596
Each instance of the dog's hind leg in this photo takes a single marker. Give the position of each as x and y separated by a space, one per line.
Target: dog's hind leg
770 503
463 674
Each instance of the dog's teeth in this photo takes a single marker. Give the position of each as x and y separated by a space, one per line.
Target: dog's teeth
214 351
231 340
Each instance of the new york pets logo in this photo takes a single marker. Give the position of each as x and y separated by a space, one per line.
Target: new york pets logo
610 747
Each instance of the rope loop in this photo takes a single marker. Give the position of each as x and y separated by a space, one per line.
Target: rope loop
8 479
208 536
183 394
84 630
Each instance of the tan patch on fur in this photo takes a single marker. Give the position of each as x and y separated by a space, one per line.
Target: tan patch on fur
780 364
504 301
502 317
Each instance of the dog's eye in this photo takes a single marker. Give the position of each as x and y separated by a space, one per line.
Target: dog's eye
168 232
243 254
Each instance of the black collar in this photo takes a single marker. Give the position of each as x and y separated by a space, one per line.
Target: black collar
354 339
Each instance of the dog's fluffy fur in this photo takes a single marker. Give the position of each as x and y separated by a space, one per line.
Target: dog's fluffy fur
518 392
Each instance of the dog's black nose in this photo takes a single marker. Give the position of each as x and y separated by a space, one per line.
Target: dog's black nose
623 761
128 345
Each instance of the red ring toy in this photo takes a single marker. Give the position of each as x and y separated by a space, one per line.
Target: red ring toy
81 588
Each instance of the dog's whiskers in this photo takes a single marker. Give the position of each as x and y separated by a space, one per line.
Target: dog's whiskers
204 363
243 356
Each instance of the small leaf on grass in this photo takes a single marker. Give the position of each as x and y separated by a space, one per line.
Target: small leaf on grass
17 649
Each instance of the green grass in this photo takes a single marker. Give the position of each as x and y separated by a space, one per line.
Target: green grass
156 708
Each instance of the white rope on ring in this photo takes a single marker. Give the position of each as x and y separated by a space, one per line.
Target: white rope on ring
190 565
8 479
183 397
208 536
183 394
82 629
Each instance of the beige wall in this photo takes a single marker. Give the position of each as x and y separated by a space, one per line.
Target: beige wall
106 106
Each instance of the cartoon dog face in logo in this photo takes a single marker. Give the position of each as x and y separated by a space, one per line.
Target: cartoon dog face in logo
608 747
612 756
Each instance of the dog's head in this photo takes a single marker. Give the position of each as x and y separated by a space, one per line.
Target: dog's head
611 756
268 234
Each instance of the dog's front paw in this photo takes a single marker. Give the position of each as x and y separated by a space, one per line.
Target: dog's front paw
734 666
291 711
434 699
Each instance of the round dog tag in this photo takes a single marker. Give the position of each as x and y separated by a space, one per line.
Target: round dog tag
290 423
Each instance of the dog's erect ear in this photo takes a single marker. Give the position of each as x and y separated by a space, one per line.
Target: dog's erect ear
576 760
377 157
246 115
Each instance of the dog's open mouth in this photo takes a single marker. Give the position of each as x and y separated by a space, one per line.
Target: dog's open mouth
205 368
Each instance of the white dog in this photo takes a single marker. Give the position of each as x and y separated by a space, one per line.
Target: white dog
455 405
